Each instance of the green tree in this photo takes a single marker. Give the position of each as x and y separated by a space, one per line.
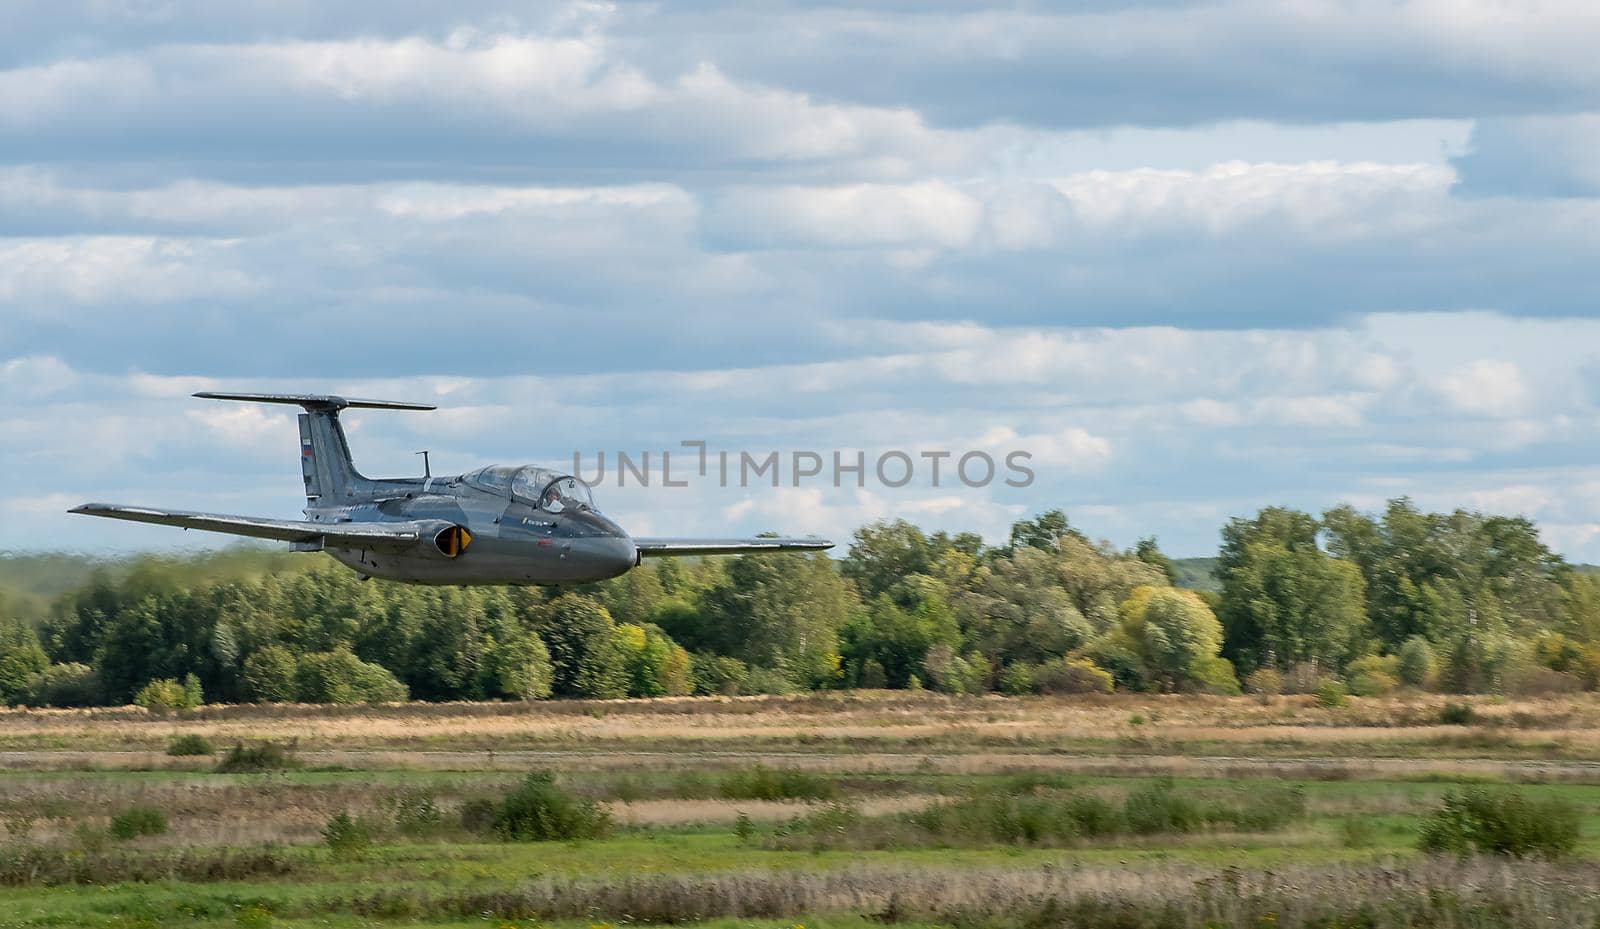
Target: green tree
22 658
782 613
269 675
1044 532
338 676
581 638
1284 600
1150 553
518 665
1175 635
656 665
1416 663
897 639
883 554
1015 609
447 655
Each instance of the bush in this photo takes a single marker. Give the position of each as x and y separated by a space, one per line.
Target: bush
1264 681
539 811
1373 675
1457 714
1045 818
1331 694
1415 667
1016 679
416 813
342 678
1215 675
1156 808
347 836
1500 822
269 675
254 759
759 782
1373 684
1017 820
189 744
136 821
66 685
768 681
744 829
169 694
717 674
1072 676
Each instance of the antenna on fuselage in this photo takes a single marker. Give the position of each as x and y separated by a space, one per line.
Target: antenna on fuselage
427 469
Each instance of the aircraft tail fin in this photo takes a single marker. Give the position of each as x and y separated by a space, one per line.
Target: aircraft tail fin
325 463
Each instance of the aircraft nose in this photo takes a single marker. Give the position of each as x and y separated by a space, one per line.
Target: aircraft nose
611 555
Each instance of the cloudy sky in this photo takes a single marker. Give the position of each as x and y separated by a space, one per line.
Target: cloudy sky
1196 258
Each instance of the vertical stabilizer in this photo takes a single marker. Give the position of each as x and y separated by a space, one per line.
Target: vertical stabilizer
331 477
330 473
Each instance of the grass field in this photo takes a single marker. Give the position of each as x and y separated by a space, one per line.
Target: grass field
825 810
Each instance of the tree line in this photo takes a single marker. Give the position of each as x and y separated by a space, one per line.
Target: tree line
1365 603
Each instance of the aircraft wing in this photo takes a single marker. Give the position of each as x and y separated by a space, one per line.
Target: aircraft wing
661 547
341 535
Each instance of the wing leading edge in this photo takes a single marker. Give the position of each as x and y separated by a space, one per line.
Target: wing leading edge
663 547
366 535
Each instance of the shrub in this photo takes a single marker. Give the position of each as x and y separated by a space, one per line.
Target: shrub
253 759
718 674
1046 818
768 681
1215 675
67 684
416 813
1264 681
744 829
1373 675
1017 678
1500 822
136 821
347 836
191 743
539 811
1415 664
169 694
759 782
1457 714
1331 694
340 677
1373 684
1072 676
1157 808
269 675
871 676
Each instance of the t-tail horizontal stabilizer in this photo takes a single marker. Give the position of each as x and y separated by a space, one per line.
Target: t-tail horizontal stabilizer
316 401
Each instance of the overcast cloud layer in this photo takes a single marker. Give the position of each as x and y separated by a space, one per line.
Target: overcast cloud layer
1196 258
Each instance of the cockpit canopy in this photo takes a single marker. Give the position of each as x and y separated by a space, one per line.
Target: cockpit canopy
548 490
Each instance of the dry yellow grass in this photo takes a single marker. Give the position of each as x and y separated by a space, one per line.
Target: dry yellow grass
825 724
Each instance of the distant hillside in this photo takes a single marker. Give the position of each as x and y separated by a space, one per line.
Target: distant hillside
1197 573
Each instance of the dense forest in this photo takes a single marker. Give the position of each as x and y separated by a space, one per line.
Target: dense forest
1348 602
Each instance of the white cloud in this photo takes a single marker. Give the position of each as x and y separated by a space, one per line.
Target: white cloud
1487 387
932 214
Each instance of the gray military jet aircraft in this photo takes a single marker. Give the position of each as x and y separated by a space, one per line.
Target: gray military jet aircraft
496 525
